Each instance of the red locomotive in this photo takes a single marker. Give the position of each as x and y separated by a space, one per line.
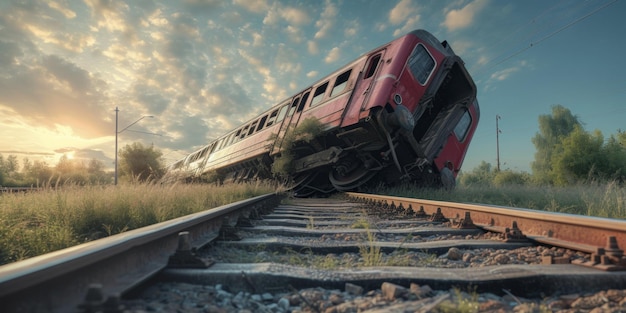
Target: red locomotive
405 111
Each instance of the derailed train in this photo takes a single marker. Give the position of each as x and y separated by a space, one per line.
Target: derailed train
405 111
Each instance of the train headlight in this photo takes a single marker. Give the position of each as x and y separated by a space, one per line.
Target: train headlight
402 118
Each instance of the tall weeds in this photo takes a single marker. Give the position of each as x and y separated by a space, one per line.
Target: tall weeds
595 199
39 222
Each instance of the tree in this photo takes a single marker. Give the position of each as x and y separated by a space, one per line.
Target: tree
480 175
615 152
9 171
141 163
552 129
97 175
583 156
579 157
39 173
65 166
508 177
621 138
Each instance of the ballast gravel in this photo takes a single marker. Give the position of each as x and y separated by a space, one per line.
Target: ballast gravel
182 297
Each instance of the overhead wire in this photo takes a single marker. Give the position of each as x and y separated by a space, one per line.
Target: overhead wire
544 38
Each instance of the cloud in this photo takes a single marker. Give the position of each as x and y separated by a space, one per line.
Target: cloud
405 13
401 12
410 24
326 20
504 74
333 55
312 47
109 14
462 18
352 29
68 13
55 92
295 16
255 6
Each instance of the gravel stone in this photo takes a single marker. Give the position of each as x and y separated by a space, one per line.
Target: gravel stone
454 254
180 297
393 291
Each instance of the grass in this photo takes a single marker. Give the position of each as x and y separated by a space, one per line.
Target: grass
462 302
35 223
603 200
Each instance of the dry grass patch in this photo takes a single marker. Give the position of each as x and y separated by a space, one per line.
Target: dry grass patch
35 223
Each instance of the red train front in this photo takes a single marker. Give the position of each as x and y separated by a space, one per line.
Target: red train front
411 116
405 111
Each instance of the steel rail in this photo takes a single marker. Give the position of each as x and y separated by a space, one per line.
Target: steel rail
602 237
58 281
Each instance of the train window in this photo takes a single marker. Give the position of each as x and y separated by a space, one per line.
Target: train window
421 64
272 118
237 134
244 131
319 94
281 115
294 105
262 123
462 128
371 69
194 156
252 127
231 138
303 102
340 83
205 151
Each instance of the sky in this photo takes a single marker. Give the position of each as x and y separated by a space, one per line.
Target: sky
204 67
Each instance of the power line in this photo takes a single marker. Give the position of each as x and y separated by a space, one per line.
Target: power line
532 44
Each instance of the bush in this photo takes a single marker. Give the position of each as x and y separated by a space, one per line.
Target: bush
508 177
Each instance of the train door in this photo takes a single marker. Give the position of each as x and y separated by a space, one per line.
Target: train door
291 120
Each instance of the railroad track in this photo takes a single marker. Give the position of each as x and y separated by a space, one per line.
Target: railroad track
399 254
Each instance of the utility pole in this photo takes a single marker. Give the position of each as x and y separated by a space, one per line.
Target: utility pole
116 133
498 142
119 132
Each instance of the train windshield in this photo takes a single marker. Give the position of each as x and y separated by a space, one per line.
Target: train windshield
421 64
463 126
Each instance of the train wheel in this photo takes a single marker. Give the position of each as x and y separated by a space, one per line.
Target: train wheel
447 179
350 175
300 184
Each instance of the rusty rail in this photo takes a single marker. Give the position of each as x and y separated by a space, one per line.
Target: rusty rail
59 281
601 237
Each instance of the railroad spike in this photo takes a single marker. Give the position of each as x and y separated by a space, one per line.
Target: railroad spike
421 212
612 249
514 234
466 222
409 211
185 256
438 217
401 209
93 299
